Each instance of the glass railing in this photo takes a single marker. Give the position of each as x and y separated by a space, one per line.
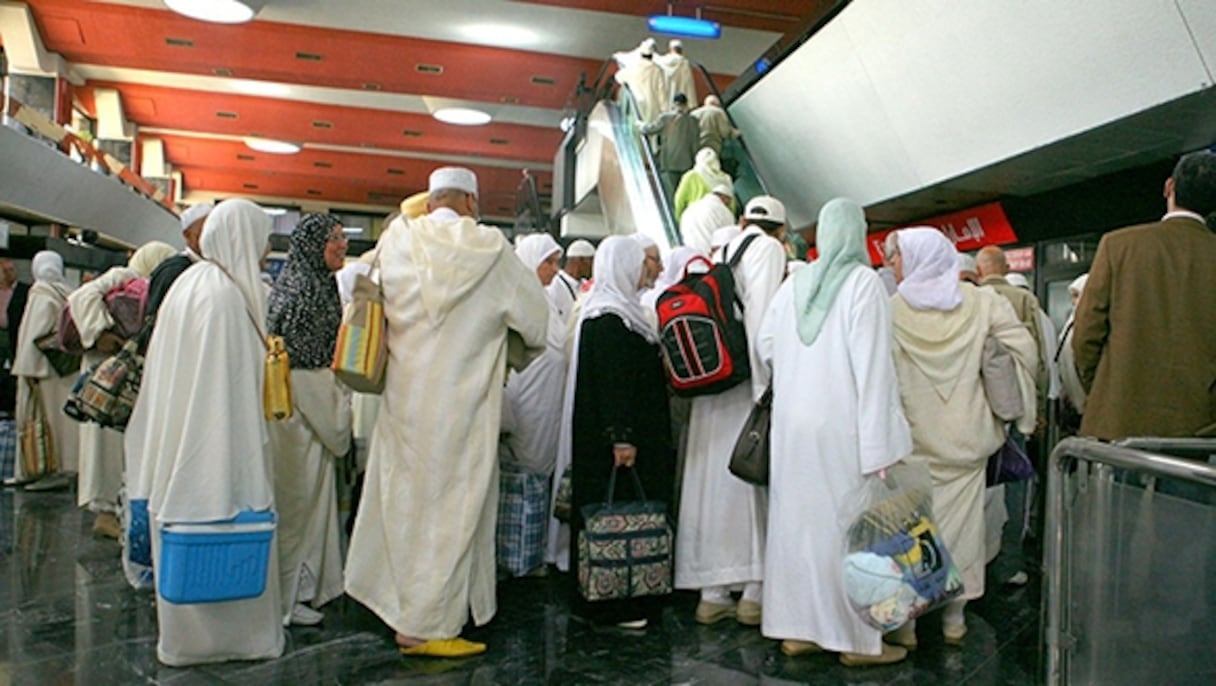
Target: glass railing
637 154
1130 582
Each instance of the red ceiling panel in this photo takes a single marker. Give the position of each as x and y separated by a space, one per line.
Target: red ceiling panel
303 122
163 41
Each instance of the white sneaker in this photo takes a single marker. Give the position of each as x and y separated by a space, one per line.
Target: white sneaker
303 615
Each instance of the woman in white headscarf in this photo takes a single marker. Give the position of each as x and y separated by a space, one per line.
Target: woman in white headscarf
700 181
940 326
533 403
620 414
828 327
33 371
1073 393
101 461
199 423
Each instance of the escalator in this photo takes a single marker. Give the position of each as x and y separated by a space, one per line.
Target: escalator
611 181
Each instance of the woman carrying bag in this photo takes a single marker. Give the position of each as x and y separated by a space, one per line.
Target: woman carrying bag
620 416
38 383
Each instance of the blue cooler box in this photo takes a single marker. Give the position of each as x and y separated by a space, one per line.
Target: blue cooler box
215 562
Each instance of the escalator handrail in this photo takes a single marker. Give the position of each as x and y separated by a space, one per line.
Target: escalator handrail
666 212
713 87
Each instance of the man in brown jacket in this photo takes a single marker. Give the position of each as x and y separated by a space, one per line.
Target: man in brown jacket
1145 332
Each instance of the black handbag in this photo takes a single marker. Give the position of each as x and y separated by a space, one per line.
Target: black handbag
750 458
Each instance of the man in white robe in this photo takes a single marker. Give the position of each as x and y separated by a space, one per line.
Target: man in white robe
566 286
703 217
422 552
678 71
199 427
722 518
829 329
649 86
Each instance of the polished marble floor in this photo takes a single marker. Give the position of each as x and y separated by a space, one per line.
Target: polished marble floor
67 616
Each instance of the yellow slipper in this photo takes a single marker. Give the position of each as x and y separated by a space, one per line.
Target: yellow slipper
446 647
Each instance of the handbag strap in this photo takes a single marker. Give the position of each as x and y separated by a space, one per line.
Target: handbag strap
637 483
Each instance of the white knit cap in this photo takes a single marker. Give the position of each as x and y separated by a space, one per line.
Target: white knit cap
457 178
724 189
195 213
580 248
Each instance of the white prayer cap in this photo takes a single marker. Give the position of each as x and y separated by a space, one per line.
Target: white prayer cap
648 44
966 262
724 189
580 248
675 43
724 235
455 178
195 213
765 208
1017 279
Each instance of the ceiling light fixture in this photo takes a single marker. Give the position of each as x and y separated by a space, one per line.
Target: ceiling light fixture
505 35
218 11
272 146
462 116
684 27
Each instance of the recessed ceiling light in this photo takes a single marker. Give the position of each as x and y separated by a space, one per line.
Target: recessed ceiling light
462 116
266 88
219 11
272 146
506 35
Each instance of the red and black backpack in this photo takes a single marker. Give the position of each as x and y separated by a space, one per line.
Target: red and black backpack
701 334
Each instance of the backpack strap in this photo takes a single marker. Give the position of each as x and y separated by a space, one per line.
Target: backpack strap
562 277
734 259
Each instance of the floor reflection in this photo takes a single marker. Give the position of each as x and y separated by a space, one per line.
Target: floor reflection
67 616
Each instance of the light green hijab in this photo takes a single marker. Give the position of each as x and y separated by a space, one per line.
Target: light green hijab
841 240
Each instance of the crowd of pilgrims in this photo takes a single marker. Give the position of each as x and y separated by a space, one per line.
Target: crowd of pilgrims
868 368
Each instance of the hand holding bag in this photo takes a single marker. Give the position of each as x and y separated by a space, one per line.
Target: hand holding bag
750 458
361 353
624 549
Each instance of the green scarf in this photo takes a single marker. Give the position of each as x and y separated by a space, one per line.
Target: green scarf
841 240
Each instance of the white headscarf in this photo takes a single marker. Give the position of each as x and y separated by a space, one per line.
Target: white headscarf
234 237
710 169
149 256
644 241
1078 284
535 248
673 273
930 270
47 266
618 268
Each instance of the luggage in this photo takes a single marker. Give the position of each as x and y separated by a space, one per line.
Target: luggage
523 509
215 562
127 304
8 449
624 549
750 458
701 335
106 393
361 353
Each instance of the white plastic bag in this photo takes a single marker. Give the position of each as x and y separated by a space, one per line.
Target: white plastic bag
896 566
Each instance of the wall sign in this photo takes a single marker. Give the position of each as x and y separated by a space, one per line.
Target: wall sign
969 230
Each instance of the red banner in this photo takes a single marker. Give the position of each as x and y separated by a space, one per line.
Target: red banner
968 229
1020 259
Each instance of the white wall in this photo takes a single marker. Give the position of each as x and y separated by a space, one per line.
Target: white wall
893 96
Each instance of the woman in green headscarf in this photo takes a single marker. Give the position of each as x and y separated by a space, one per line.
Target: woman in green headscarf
836 417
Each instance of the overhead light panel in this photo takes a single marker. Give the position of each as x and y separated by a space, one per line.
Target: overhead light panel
274 147
504 35
684 27
218 11
462 116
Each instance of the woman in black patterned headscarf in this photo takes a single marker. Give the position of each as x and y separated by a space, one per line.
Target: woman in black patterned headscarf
306 312
304 305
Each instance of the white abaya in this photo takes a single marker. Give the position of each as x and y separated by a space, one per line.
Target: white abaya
535 398
199 427
836 416
722 518
422 552
41 316
304 449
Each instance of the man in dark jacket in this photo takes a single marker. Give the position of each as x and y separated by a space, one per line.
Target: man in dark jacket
680 134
